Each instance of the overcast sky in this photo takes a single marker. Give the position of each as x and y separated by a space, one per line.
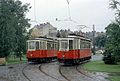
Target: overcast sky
84 12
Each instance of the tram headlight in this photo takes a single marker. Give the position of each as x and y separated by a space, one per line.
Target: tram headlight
63 56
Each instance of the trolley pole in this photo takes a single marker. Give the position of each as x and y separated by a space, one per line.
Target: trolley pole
93 39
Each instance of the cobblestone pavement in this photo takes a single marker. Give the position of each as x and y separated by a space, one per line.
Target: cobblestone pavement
49 72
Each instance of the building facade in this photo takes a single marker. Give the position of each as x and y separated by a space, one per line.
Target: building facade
45 29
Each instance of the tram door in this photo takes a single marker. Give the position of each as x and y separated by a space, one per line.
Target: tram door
55 48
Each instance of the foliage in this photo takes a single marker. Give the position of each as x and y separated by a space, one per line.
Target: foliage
13 26
100 41
13 60
115 5
114 78
112 53
113 44
109 58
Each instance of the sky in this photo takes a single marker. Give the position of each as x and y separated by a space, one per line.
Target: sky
82 12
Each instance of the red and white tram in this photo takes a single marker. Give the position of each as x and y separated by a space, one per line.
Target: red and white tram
74 49
42 49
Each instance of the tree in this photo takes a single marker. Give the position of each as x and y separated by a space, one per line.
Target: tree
100 41
113 44
7 32
112 53
13 27
20 27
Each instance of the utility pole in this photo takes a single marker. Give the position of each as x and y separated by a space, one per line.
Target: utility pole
93 39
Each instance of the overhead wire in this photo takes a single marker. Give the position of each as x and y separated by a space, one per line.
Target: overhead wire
69 15
81 26
34 11
70 18
34 6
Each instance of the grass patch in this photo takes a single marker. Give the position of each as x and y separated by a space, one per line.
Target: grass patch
14 60
99 66
114 78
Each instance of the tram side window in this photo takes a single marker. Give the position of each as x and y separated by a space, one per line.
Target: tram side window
70 44
31 45
64 45
56 46
89 45
52 46
48 46
82 44
75 46
44 45
41 46
85 44
37 45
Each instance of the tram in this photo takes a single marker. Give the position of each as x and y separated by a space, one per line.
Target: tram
74 49
42 49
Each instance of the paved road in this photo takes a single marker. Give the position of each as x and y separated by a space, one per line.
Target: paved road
97 57
14 72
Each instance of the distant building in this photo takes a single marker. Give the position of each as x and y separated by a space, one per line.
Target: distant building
90 34
45 29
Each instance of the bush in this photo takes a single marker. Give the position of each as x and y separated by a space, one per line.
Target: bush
109 58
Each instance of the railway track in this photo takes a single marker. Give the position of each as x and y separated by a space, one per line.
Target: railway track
23 72
83 73
53 76
60 72
63 74
47 73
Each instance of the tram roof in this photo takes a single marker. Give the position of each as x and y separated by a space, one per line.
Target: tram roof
43 38
74 36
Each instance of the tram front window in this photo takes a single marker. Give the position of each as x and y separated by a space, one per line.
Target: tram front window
64 45
31 45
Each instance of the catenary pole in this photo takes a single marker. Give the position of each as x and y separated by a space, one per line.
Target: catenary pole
93 39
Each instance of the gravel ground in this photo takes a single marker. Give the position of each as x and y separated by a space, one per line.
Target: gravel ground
12 73
32 71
